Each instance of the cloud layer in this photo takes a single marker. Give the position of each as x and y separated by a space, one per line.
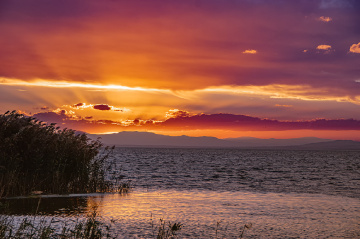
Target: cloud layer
120 64
184 120
180 45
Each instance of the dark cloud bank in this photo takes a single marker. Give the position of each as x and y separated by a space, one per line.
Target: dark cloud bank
204 121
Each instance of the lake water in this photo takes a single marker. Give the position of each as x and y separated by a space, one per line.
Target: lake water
215 192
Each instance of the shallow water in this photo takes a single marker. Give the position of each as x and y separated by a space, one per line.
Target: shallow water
283 194
272 215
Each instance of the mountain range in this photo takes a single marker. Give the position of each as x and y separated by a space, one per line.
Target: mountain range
148 139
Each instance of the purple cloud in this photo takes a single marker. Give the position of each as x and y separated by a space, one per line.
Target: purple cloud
102 107
78 105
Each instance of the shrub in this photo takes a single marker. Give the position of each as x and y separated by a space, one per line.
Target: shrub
35 156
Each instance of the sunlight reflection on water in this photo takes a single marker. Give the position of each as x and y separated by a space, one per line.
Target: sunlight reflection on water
273 215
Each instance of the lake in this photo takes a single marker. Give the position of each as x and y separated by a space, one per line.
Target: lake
215 192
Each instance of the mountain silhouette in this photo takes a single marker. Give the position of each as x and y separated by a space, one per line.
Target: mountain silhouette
148 139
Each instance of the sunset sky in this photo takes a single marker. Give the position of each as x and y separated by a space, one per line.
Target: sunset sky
223 68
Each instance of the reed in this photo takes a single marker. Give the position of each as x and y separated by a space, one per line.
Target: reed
35 156
90 227
165 230
43 228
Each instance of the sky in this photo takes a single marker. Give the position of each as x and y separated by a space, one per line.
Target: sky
222 68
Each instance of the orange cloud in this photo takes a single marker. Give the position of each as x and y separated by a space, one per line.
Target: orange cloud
325 19
324 47
177 113
72 84
68 113
301 92
250 51
286 106
355 48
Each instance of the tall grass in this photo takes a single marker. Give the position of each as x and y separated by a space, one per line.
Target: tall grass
165 230
35 156
41 227
89 227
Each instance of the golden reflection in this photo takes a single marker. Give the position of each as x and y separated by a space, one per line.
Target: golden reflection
200 210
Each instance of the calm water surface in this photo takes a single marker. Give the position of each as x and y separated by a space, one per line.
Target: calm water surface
283 194
324 172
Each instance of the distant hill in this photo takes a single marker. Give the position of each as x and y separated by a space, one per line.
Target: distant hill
256 142
330 145
147 139
134 138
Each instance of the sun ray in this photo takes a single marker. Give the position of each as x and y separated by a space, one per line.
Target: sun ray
66 84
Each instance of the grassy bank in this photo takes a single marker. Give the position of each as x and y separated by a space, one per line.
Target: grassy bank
35 156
